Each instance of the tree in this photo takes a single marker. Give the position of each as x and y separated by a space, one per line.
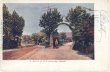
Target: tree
50 20
75 17
7 22
13 26
18 24
37 37
26 39
84 26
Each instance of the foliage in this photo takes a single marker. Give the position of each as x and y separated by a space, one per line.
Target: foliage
84 27
38 37
34 36
13 26
49 21
18 24
7 22
26 38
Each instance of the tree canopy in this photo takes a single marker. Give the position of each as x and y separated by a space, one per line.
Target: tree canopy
84 26
81 20
49 20
13 25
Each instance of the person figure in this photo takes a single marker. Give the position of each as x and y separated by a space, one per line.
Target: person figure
60 40
55 36
46 42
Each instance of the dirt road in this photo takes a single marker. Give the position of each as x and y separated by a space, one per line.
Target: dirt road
40 53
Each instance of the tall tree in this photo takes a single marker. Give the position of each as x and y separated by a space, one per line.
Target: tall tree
50 20
7 22
13 26
7 27
84 26
18 24
75 18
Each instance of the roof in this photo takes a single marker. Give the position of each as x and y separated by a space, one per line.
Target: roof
68 34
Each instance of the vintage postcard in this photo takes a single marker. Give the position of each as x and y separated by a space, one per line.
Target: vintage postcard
54 35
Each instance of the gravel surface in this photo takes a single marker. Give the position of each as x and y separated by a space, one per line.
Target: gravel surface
64 52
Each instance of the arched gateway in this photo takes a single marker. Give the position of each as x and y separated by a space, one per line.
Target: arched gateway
68 25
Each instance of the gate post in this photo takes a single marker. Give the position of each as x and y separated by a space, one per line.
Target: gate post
51 41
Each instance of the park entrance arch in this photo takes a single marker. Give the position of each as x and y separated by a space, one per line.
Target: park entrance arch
66 24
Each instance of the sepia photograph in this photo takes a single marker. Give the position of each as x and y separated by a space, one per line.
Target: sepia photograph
48 31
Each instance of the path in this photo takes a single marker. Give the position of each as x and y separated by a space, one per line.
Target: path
40 53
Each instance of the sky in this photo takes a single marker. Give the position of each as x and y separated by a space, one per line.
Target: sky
32 12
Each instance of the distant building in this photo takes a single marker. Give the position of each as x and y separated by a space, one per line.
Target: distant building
68 34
